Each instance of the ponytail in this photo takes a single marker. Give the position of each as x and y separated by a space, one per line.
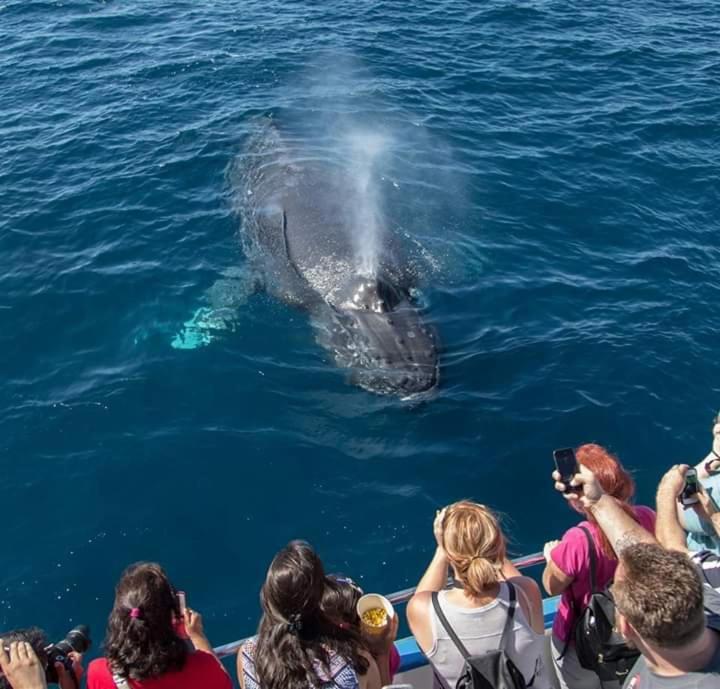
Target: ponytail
295 637
474 544
480 574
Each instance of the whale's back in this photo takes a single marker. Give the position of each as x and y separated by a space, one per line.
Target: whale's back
301 216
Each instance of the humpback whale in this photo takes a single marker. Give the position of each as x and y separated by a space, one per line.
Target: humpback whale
304 219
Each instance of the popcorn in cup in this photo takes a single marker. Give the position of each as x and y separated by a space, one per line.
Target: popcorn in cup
375 612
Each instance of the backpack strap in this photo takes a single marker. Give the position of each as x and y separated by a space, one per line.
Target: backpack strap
507 629
593 560
446 626
593 586
512 604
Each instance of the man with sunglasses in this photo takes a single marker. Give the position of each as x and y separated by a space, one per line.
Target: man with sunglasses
662 605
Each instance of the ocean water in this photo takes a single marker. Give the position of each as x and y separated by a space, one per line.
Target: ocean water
554 164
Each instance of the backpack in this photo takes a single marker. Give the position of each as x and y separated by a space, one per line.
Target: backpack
598 646
492 669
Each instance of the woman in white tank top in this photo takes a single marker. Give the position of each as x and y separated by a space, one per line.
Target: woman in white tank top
470 541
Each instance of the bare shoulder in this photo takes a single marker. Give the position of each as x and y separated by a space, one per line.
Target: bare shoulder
371 678
529 586
419 605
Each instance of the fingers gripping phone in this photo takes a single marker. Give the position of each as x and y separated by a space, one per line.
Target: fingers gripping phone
182 602
689 495
567 466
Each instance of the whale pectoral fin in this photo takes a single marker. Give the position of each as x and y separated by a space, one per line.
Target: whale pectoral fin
234 289
200 330
224 299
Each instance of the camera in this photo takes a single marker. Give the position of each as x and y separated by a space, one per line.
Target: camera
77 640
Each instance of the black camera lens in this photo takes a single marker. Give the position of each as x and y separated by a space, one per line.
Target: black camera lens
78 638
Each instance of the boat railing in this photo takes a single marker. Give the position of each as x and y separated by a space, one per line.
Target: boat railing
396 598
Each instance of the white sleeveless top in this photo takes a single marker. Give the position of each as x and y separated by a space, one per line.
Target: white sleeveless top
480 630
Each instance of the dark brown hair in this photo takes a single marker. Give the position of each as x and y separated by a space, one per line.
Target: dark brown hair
141 641
339 601
294 634
35 637
660 594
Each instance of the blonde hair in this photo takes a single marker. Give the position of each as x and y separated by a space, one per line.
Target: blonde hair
474 544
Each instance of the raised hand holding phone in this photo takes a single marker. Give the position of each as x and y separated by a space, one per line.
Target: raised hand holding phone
182 602
689 494
181 623
586 491
567 466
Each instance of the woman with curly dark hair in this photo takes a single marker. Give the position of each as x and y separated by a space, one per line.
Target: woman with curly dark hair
143 647
298 646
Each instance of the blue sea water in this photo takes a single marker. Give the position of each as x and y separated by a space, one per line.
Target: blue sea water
556 162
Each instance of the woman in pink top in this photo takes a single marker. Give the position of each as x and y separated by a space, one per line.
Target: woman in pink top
568 565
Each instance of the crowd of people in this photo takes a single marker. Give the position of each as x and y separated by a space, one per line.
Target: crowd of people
654 573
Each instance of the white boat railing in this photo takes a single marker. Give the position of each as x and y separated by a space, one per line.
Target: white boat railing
395 598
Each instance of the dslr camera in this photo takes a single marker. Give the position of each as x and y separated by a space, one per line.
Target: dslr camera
76 640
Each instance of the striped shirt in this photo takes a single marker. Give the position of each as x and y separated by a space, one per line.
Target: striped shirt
339 675
708 564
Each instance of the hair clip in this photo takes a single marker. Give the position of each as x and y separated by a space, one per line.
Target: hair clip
295 624
135 613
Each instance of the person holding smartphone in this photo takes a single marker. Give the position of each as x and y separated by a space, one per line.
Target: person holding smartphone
148 645
700 519
567 572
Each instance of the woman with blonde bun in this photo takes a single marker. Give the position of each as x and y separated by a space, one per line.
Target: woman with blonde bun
469 540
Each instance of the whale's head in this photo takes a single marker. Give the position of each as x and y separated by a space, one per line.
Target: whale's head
377 332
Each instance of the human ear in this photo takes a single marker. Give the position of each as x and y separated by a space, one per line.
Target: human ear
626 630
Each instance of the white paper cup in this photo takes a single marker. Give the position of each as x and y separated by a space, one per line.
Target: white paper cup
370 601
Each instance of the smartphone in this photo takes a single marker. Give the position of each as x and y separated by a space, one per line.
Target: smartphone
182 602
567 466
690 489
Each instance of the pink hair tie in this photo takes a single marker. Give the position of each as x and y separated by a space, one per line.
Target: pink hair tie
135 613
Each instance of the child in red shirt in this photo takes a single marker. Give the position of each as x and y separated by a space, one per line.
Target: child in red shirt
144 646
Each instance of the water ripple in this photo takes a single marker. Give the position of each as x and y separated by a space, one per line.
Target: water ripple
553 169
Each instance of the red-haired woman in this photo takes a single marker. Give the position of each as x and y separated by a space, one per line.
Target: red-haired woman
568 564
